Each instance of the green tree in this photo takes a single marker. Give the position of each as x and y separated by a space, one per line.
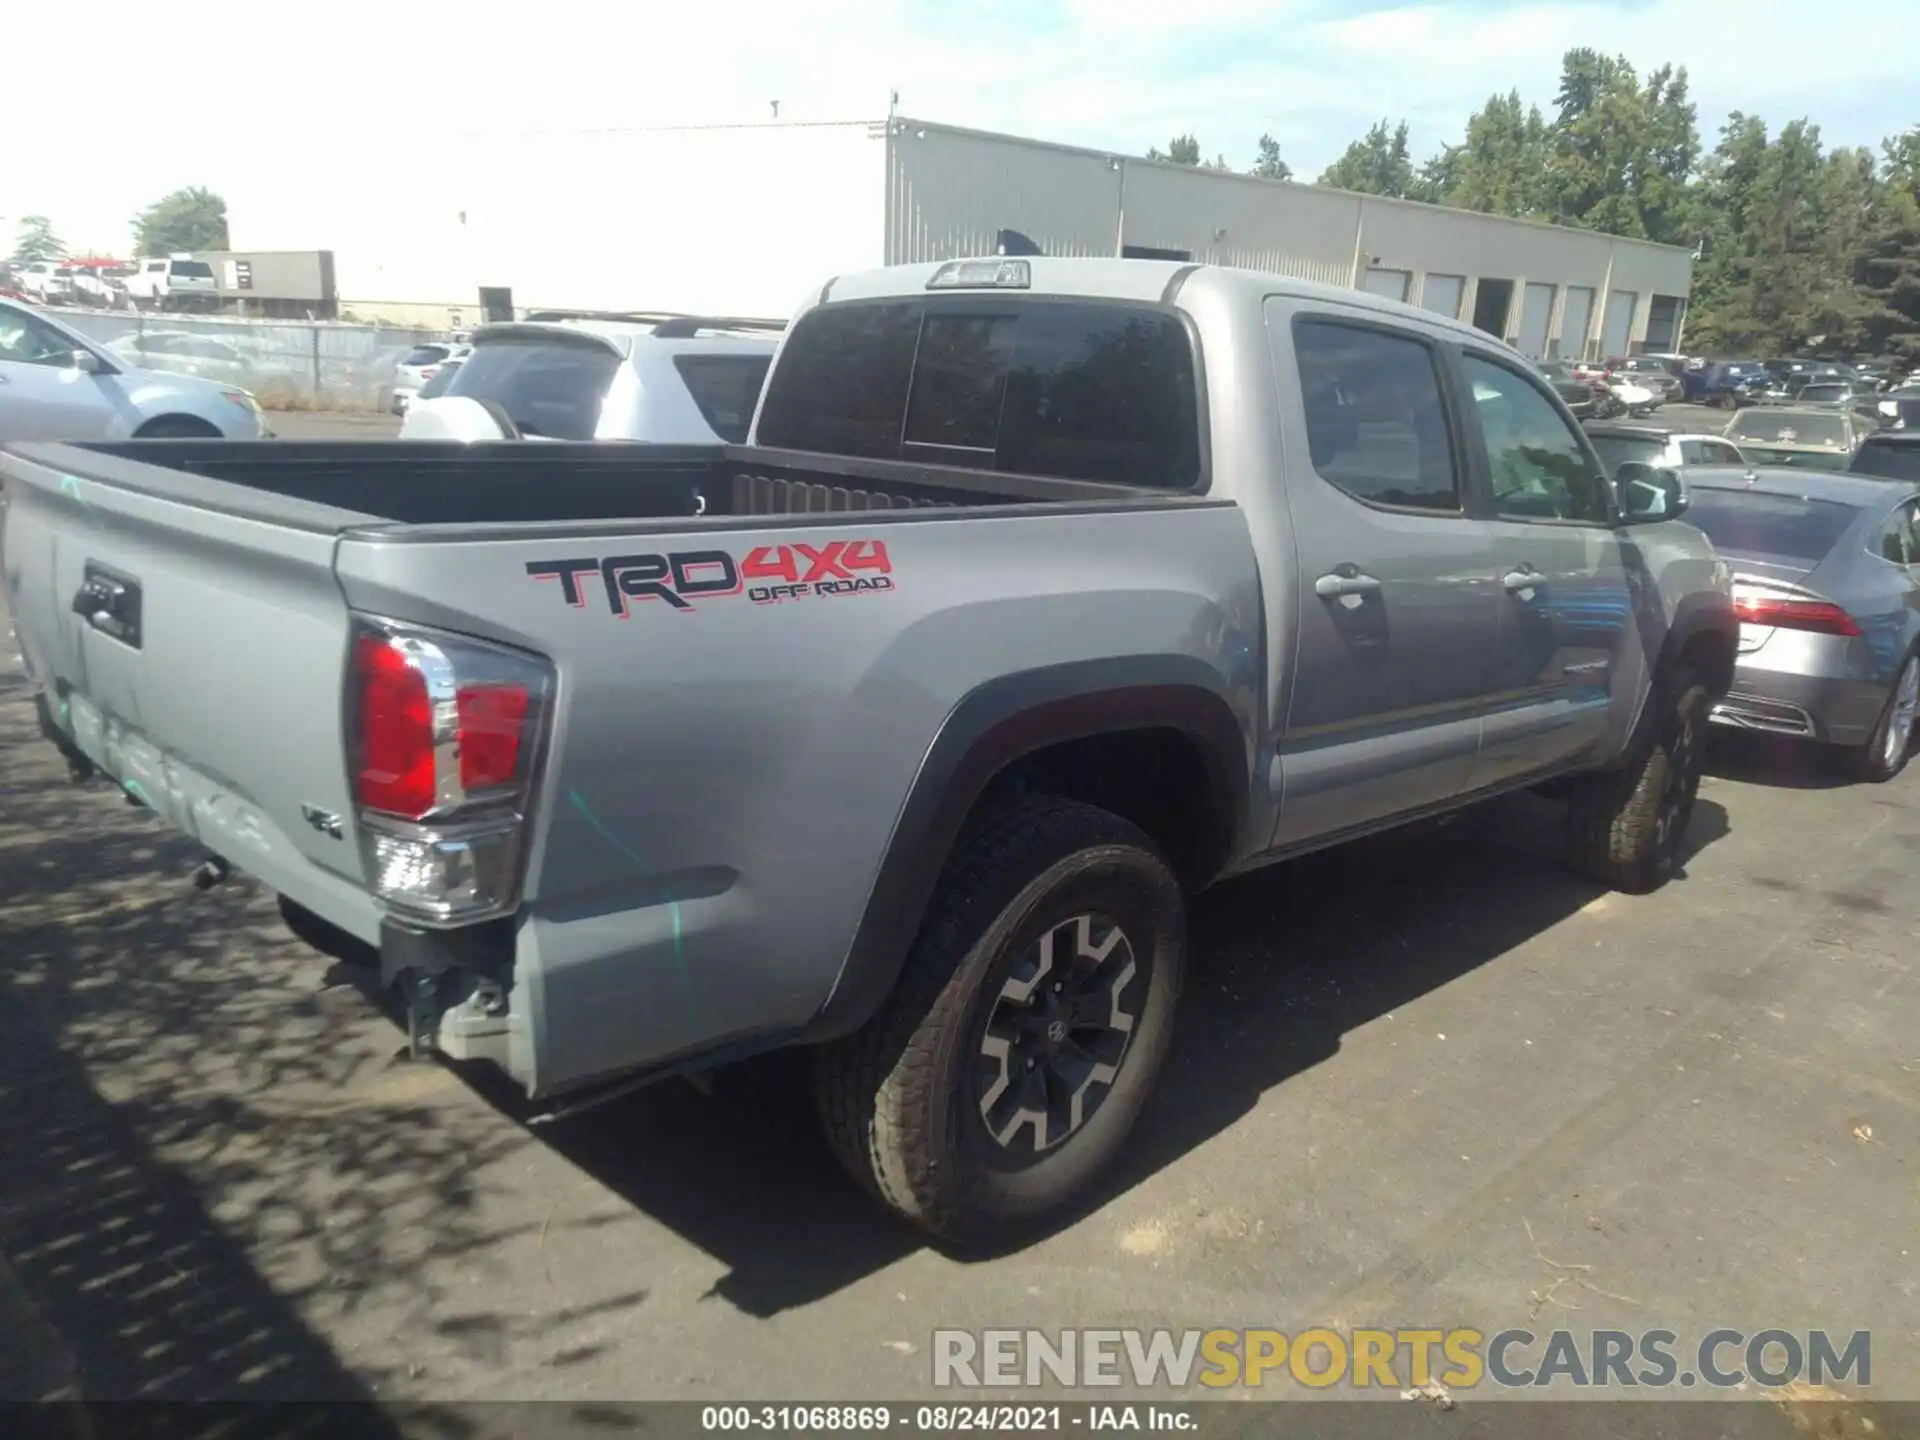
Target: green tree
1379 163
191 218
37 240
1622 152
1268 165
1501 166
1787 224
1889 269
1181 150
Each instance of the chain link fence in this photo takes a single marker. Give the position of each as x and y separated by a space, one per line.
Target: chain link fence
287 364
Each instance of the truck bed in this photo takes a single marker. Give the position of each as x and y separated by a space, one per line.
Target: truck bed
723 764
342 485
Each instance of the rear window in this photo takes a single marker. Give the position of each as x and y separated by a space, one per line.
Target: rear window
1890 462
192 270
548 387
1076 390
726 388
1824 392
1765 427
1618 450
1785 527
426 355
438 382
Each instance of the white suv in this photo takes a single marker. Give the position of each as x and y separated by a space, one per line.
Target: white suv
667 379
176 282
48 281
420 365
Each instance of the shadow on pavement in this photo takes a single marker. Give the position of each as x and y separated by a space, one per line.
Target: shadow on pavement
195 1231
1283 963
1778 761
172 1214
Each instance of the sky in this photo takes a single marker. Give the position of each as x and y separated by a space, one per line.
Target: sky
331 106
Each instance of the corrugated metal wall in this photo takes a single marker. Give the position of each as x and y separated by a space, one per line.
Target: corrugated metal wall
950 192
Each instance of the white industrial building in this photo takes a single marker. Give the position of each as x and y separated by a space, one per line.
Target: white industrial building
749 219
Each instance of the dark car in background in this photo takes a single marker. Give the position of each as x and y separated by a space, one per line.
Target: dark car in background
1724 383
1890 455
1585 398
1649 371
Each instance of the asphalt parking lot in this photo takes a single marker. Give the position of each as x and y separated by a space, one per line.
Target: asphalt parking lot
1432 1079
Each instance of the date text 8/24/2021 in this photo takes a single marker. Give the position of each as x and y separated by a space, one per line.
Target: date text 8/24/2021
946 1419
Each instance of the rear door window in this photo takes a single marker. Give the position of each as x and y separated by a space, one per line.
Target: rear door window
1376 422
1899 537
1071 389
726 388
550 387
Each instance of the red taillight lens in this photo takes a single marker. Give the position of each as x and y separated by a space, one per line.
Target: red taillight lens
492 718
1820 616
429 372
395 731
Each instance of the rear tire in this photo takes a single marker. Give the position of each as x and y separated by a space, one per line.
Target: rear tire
1885 755
176 427
974 1104
1626 827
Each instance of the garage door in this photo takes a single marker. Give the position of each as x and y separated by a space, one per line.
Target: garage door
1394 284
1536 313
1443 293
1576 320
1619 326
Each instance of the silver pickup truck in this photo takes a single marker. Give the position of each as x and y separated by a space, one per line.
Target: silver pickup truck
1045 594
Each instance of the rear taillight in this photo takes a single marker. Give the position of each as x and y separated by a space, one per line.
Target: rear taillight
395 731
1822 617
444 733
429 372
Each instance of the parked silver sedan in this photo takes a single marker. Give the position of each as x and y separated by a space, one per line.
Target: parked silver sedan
1826 579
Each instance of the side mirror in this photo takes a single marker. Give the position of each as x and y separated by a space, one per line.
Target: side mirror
89 362
1649 494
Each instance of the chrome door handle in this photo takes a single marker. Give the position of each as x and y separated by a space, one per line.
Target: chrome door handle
1523 579
1329 587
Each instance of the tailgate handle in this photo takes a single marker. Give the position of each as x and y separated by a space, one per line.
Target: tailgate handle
110 603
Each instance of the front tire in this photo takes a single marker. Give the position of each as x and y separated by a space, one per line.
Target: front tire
1025 1032
1627 826
1885 755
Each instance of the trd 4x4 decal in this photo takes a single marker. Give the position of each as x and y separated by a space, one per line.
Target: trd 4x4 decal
767 575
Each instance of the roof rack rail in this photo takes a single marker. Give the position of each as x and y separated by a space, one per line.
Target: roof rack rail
668 324
681 326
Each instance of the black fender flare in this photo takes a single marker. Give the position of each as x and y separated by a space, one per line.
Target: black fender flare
1706 613
994 726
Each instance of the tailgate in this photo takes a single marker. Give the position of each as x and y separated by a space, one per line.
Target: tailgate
195 656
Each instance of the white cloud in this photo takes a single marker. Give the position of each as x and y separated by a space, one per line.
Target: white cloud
340 112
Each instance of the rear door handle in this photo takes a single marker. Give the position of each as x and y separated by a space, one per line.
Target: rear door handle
1526 578
1334 585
